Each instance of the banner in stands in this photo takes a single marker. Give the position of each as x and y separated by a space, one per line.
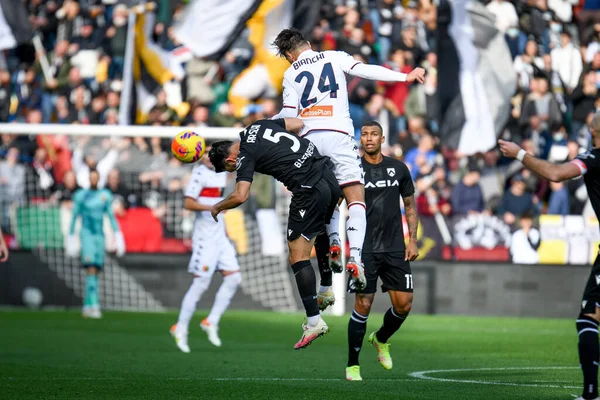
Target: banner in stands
563 240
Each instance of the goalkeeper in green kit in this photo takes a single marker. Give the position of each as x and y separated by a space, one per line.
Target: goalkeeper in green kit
91 205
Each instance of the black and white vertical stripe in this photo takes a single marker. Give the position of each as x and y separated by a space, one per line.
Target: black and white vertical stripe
476 77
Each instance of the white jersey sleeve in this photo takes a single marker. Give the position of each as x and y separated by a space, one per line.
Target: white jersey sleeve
344 60
195 185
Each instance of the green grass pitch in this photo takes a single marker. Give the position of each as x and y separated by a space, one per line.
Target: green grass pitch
59 355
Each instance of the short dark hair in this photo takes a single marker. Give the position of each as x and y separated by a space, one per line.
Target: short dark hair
289 40
219 153
373 123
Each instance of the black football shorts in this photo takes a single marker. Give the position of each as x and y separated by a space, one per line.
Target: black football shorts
394 271
591 294
311 208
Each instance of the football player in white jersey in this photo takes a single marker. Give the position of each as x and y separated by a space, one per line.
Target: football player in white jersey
211 251
315 90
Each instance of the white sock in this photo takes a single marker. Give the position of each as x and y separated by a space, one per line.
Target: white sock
190 300
323 289
334 226
223 298
314 320
356 228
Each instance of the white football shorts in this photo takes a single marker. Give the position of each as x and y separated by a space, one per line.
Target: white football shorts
210 255
343 151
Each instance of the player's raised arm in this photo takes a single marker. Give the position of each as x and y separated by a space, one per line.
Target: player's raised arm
377 72
290 101
71 245
294 125
545 169
119 239
235 199
191 192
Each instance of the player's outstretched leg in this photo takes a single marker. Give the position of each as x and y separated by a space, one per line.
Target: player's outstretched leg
335 247
91 300
356 228
392 321
587 330
210 325
179 331
306 282
357 327
325 297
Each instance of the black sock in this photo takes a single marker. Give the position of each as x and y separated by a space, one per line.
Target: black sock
322 250
307 286
587 329
357 327
391 323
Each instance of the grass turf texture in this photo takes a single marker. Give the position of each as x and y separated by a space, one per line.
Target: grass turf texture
59 355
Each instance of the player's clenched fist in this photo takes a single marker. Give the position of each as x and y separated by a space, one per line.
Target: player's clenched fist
509 149
417 74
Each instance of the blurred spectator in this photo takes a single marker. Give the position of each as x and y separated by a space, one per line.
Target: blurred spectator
524 63
422 101
115 39
359 93
120 192
58 77
584 98
395 93
43 172
384 19
467 197
540 110
515 201
566 60
423 154
559 199
525 242
556 146
199 77
83 163
65 190
355 44
12 184
87 56
430 202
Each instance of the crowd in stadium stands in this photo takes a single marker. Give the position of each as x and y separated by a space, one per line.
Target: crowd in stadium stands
555 45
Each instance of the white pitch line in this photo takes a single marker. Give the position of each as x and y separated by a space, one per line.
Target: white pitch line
424 375
249 379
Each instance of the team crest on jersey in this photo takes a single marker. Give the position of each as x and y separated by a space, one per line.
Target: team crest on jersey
205 268
391 171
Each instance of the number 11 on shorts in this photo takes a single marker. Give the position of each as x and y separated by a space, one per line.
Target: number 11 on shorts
409 282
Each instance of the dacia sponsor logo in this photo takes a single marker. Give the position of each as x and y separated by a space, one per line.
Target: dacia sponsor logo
382 184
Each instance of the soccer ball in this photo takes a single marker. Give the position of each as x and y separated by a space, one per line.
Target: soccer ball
32 297
188 146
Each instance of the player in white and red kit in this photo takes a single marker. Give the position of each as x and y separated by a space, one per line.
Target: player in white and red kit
315 90
211 251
